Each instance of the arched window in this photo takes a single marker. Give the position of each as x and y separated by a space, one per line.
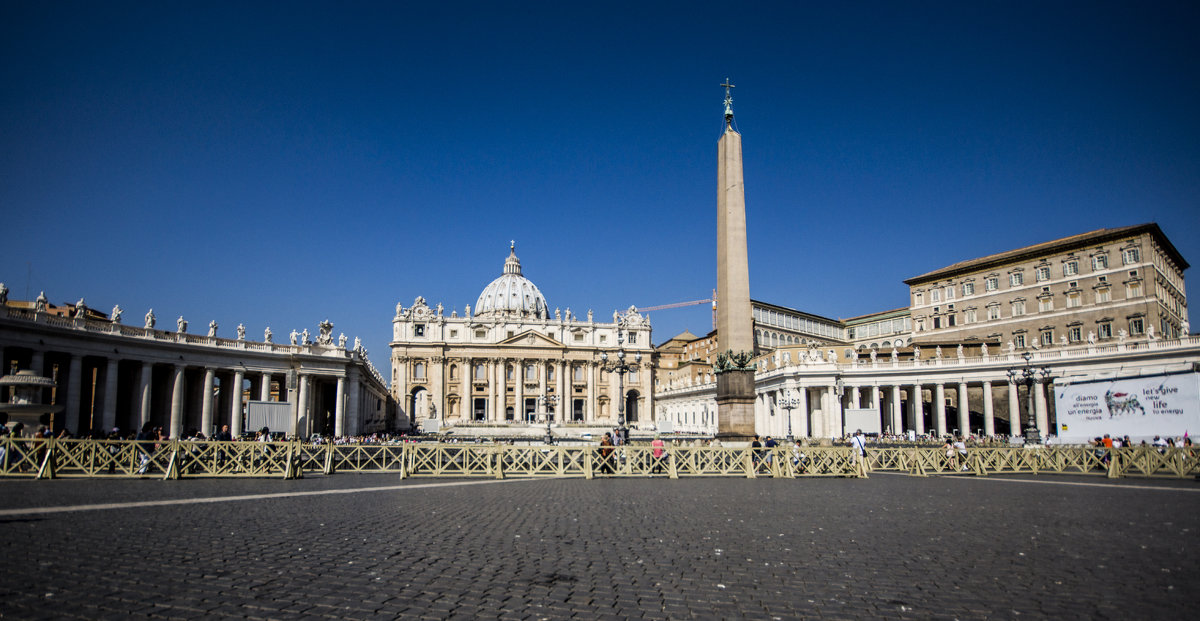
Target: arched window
454 371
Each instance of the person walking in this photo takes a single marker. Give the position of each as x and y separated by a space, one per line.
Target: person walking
859 443
657 452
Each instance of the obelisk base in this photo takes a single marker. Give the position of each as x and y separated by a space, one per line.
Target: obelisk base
735 406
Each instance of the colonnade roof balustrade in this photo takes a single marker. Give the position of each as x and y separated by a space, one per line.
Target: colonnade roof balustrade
101 328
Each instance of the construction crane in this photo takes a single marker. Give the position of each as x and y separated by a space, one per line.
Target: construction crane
713 300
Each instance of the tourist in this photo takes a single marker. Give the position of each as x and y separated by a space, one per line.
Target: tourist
606 444
657 451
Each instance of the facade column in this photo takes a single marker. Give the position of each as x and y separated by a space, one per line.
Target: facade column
897 412
939 398
206 404
591 411
563 411
964 410
989 417
875 393
1014 410
176 426
108 415
1039 402
339 409
235 404
145 394
519 377
855 397
74 392
300 424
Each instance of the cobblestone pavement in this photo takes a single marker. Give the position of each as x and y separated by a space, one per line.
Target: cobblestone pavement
891 546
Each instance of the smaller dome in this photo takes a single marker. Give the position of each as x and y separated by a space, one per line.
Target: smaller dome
511 293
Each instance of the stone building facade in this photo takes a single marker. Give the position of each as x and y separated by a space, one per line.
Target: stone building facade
1102 286
510 361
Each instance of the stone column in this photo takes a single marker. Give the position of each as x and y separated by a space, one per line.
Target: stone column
855 397
1039 402
493 385
74 393
897 413
176 426
145 394
37 363
264 389
108 416
916 408
235 404
875 405
206 404
939 398
801 429
1014 410
964 410
590 412
339 409
519 377
563 411
354 413
300 424
989 418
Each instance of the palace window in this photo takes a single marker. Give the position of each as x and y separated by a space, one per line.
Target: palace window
1074 299
1100 262
1074 333
992 283
1133 290
1043 273
969 316
919 298
1130 255
1019 340
1016 279
1105 329
632 338
1045 304
993 311
1137 326
1103 294
935 295
949 293
1047 337
1070 268
968 288
1018 308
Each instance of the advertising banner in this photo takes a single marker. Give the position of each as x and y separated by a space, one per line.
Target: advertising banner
1140 407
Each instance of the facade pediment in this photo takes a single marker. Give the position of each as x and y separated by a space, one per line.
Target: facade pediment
531 338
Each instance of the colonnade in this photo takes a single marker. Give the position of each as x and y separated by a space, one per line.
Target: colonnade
901 407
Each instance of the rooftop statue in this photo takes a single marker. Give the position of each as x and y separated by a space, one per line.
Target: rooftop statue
116 313
150 319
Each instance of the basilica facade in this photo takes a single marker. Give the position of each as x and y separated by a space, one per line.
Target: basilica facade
510 362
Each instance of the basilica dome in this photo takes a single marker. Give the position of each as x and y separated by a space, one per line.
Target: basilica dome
511 293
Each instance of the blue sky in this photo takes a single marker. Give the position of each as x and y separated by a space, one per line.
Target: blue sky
282 163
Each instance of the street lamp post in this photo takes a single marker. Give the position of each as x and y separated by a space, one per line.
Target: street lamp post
543 401
620 367
1029 375
790 403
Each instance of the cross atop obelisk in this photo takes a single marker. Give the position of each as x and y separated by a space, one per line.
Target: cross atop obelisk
728 101
735 331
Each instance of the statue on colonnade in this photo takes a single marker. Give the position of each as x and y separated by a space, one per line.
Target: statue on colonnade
150 319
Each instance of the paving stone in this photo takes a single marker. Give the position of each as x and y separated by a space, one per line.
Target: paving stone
888 547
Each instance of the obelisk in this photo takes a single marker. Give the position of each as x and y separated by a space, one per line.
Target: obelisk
735 332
